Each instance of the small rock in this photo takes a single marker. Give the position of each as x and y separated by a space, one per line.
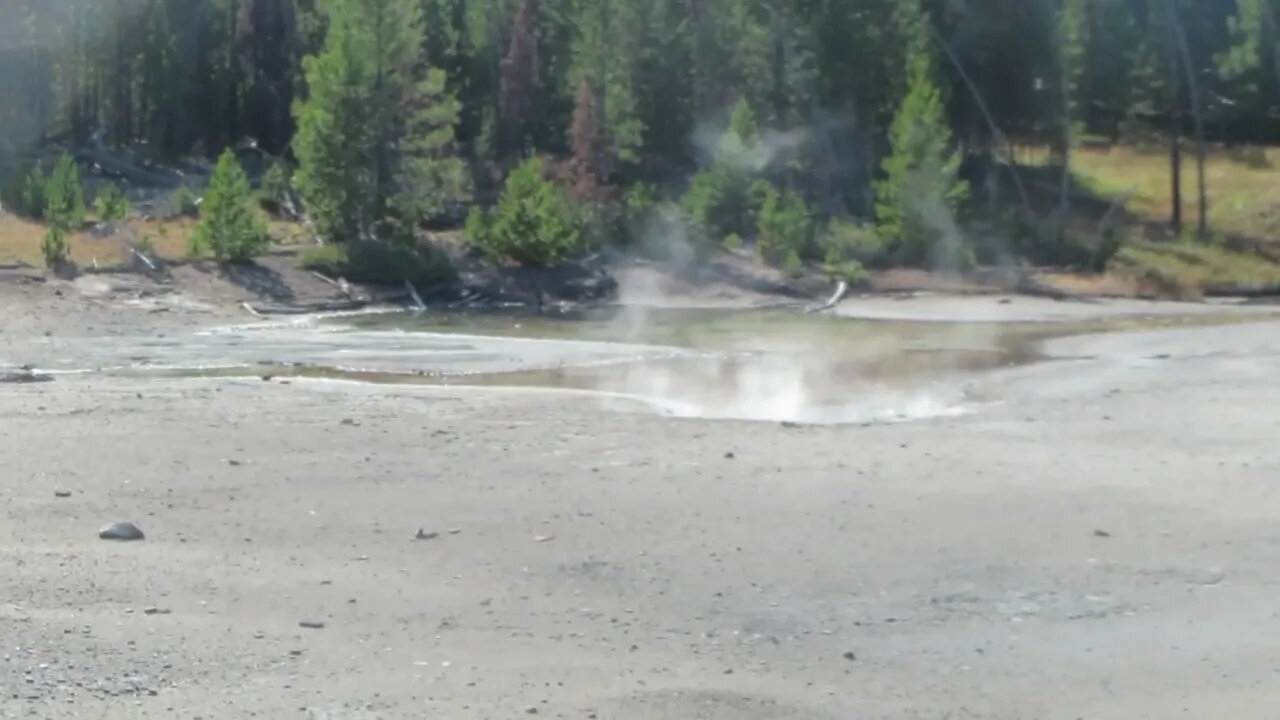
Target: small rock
790 425
424 535
1101 533
850 656
62 493
455 531
233 463
728 456
543 538
121 531
531 710
295 653
155 611
350 421
311 625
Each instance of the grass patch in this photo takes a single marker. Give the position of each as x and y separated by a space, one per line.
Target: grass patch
1243 185
1182 269
379 263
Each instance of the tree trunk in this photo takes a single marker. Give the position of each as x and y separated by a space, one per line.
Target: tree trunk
1272 24
1193 91
1175 160
1064 187
1175 145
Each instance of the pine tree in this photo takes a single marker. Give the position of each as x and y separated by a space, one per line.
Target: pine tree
606 54
111 204
64 196
230 227
534 223
921 191
785 230
54 247
720 201
519 80
375 133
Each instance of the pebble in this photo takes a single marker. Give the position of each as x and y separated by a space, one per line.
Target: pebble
62 493
311 625
121 531
350 421
424 535
1101 533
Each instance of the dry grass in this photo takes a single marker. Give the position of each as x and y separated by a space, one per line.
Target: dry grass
1243 185
1244 202
20 240
1190 269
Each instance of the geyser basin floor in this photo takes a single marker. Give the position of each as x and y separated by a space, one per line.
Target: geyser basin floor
769 365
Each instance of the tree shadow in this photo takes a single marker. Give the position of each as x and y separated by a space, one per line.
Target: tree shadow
261 281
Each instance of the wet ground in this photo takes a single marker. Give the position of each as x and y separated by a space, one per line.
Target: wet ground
759 364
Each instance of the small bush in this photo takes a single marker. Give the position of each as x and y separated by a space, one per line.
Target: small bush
54 247
229 228
850 271
185 202
379 263
275 187
785 230
32 199
732 241
111 204
640 199
846 241
24 194
793 266
717 205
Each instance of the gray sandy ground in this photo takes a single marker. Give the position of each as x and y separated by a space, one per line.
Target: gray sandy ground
1102 540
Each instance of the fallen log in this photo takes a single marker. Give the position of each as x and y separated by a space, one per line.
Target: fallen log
307 309
841 290
413 295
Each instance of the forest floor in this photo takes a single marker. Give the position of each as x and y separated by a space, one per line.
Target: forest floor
578 561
